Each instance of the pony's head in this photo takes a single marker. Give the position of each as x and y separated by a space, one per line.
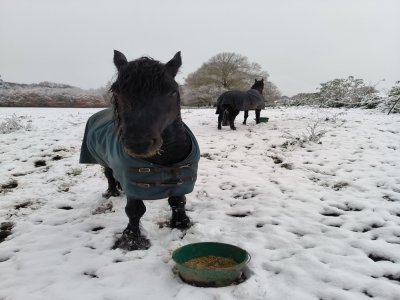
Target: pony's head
146 101
258 85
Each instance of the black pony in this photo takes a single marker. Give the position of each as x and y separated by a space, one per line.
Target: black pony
230 103
143 144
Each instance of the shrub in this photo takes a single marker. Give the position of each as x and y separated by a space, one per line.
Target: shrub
15 123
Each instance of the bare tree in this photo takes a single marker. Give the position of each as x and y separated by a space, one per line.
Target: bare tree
271 93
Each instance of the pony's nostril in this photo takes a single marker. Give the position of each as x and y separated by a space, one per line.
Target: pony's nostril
154 141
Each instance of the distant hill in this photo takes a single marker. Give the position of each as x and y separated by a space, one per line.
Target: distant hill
49 94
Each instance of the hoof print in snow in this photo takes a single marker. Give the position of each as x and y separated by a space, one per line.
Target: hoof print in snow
74 172
40 163
259 225
298 234
314 179
227 186
388 198
349 207
5 230
367 293
239 215
246 195
331 214
206 156
66 207
103 208
90 274
23 205
276 159
98 228
287 166
393 277
163 224
336 225
338 186
3 259
57 157
60 149
376 257
8 186
11 184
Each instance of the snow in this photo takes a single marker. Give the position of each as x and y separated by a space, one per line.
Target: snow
320 219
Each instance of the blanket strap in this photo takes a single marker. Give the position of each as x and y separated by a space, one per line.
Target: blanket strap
162 169
165 184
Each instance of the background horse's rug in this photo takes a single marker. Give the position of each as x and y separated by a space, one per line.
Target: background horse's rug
139 178
242 101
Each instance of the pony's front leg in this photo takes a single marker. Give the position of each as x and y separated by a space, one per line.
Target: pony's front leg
258 111
132 238
232 117
246 115
220 116
112 189
179 218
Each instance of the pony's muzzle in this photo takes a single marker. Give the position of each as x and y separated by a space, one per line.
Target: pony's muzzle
143 147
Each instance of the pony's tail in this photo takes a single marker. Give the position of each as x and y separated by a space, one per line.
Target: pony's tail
219 106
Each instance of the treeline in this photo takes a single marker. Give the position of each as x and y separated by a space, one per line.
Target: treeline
222 72
49 94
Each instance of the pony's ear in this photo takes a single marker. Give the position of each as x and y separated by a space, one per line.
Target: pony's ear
119 60
174 64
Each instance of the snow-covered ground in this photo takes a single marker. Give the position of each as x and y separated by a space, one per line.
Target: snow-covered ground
320 220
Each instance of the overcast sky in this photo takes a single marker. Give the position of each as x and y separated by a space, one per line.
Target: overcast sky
300 43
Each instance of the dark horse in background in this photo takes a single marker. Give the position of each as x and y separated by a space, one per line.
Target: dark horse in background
230 103
143 144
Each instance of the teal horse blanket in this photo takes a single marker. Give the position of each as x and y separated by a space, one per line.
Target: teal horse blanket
139 178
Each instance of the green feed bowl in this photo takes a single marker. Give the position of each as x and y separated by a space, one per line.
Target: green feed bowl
264 119
207 277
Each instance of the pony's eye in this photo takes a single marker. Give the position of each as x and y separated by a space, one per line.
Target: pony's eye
173 93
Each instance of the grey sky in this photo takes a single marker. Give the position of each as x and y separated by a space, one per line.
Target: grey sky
300 43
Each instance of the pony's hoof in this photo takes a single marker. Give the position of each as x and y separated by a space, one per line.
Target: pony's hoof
233 128
111 193
219 127
130 241
180 223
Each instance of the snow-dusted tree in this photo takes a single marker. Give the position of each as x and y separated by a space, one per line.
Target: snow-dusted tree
226 70
392 103
345 92
305 99
395 90
202 96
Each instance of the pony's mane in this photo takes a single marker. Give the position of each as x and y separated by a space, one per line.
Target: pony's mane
138 78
